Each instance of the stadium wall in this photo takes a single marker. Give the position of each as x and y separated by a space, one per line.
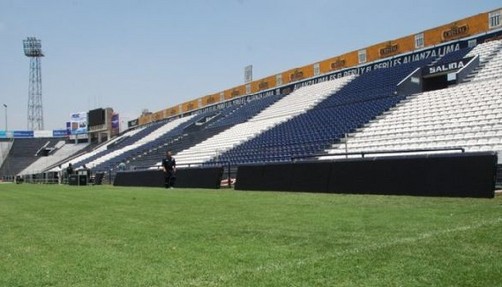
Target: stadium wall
460 29
450 175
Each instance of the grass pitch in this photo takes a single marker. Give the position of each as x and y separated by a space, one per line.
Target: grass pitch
109 236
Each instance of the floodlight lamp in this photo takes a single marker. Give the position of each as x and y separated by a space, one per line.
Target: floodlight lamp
32 47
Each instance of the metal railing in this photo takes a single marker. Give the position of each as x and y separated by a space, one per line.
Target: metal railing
365 153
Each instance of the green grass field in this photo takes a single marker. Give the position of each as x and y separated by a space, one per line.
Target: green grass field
108 236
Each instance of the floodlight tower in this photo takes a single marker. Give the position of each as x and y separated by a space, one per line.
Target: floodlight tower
33 50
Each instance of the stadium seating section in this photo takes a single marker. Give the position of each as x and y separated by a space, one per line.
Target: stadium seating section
354 113
466 116
24 152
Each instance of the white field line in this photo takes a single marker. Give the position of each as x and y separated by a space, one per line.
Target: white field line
377 246
423 236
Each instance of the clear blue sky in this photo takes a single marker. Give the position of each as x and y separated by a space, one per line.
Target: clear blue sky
136 54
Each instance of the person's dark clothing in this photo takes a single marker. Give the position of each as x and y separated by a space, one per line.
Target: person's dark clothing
169 165
69 170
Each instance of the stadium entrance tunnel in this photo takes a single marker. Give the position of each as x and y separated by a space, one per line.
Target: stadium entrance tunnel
449 175
201 177
436 83
437 76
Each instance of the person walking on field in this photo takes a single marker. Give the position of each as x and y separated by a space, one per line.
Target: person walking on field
69 171
59 172
169 169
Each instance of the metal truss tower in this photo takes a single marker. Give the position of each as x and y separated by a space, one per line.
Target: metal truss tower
33 50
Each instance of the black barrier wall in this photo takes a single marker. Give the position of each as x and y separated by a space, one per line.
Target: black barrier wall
199 177
187 177
454 175
147 178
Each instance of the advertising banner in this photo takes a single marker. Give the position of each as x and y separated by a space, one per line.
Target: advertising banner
115 122
78 123
209 100
157 116
235 92
42 134
133 123
59 133
144 119
191 105
173 111
22 134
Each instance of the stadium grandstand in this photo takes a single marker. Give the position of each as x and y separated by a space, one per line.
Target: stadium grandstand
437 91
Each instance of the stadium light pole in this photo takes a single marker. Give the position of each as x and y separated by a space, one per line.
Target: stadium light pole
6 126
33 50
